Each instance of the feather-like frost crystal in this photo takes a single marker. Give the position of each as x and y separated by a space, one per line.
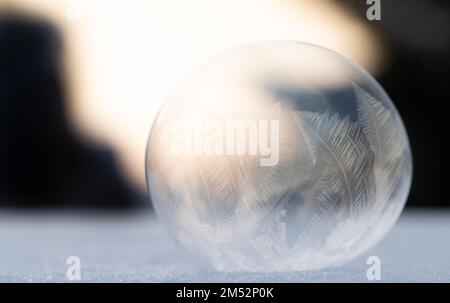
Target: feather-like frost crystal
279 156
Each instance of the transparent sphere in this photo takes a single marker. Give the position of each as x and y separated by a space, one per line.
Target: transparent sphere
279 156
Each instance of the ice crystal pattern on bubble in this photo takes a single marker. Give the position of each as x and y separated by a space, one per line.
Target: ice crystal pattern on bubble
341 180
346 180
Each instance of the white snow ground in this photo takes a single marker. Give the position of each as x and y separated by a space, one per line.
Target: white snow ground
135 248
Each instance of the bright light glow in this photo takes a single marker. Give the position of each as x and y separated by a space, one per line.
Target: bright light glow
127 56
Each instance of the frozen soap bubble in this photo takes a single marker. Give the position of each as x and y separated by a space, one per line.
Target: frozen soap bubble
279 156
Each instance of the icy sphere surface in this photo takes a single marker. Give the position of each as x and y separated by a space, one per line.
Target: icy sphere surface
278 156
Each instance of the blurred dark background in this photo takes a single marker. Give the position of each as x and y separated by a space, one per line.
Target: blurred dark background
43 162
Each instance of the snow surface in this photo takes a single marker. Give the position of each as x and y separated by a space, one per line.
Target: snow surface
136 248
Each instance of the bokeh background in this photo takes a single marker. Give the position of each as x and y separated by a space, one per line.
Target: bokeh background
82 80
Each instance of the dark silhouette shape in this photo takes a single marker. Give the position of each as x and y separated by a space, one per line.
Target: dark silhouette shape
42 163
